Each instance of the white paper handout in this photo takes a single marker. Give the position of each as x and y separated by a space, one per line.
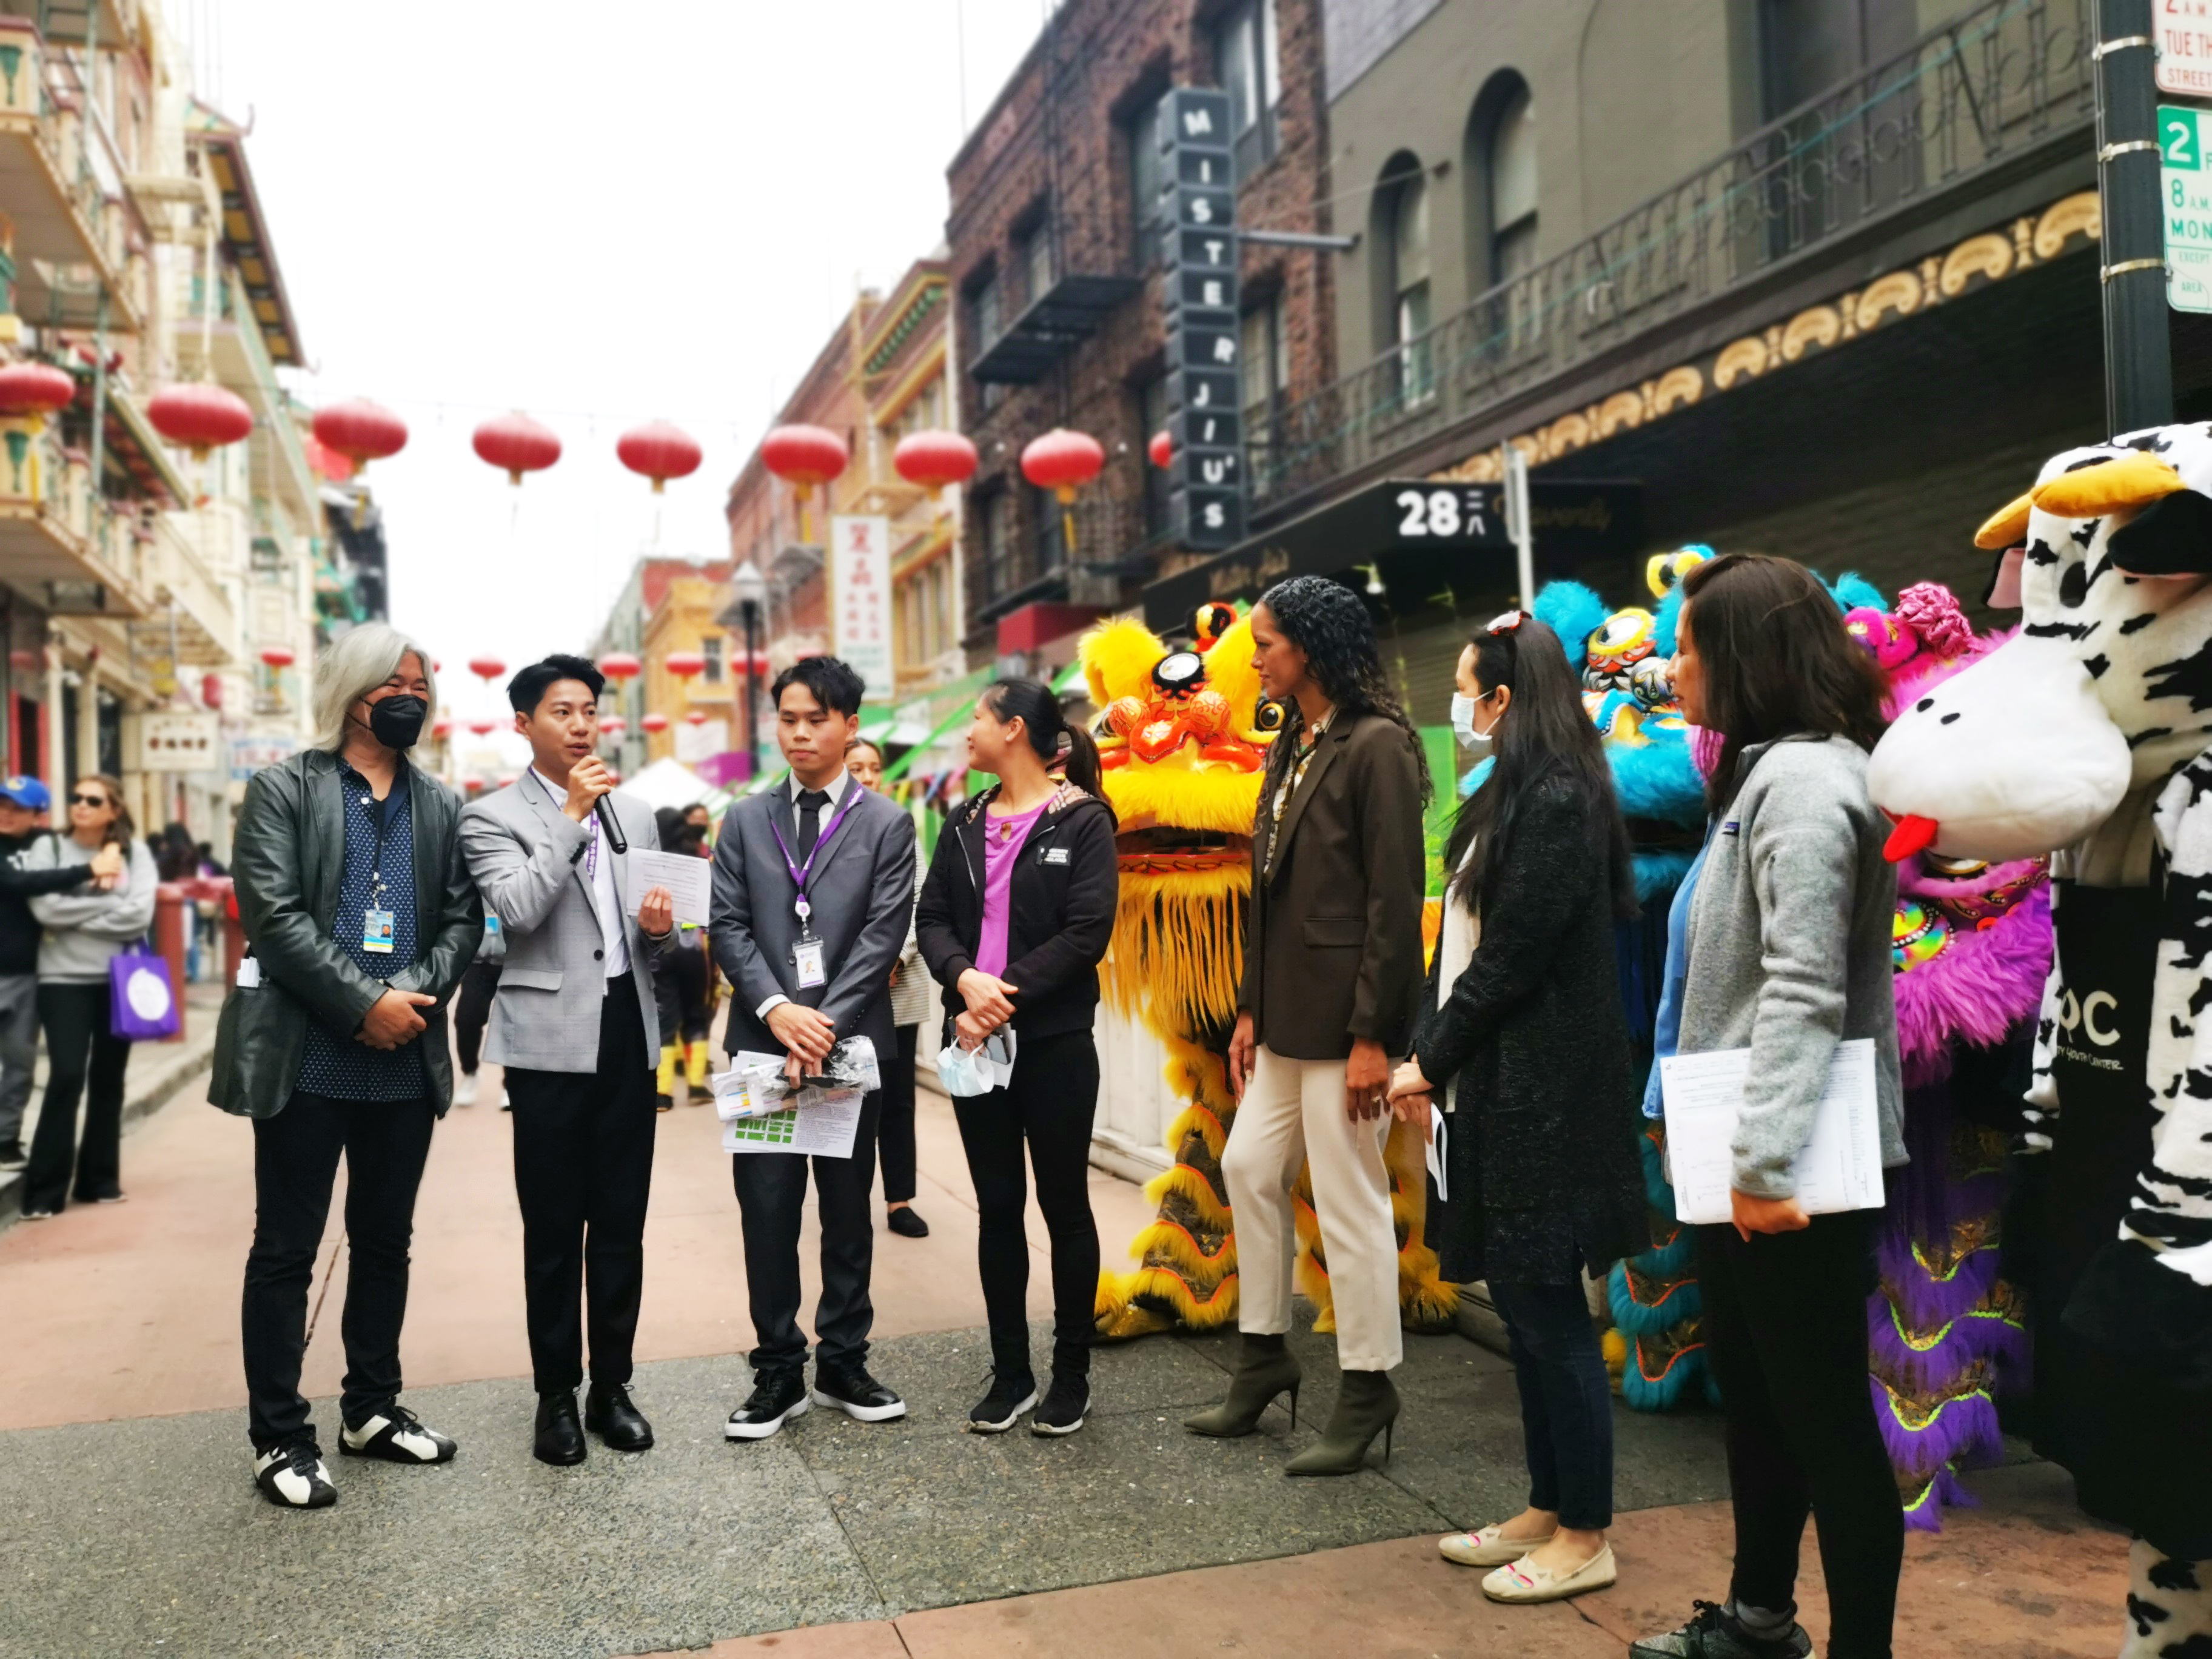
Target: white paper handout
688 878
1840 1167
761 1113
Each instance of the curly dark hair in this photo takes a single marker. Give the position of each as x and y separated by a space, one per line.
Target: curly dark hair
1329 622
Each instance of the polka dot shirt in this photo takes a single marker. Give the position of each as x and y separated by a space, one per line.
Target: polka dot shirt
332 1063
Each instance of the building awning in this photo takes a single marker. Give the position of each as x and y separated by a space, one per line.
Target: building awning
221 144
1414 527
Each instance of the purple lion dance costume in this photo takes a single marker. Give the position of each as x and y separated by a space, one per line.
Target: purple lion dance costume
1972 950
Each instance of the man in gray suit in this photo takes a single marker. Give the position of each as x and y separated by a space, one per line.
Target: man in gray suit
814 888
569 1024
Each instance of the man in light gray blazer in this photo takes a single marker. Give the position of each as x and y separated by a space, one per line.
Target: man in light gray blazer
802 982
569 1024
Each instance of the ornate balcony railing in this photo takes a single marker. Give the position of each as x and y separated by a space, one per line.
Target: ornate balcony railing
2005 78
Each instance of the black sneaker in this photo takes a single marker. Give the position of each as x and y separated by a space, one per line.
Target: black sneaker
906 1223
777 1397
1001 1407
292 1476
856 1394
395 1435
1715 1632
1065 1402
12 1156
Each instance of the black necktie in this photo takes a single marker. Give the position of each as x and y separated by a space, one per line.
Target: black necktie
810 802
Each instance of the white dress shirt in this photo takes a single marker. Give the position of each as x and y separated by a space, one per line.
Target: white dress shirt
605 902
835 790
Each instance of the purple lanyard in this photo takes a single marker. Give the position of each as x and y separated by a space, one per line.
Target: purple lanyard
799 872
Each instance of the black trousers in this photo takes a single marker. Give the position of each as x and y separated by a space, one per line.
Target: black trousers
1049 1104
895 1135
681 991
295 1163
75 1020
472 1011
1785 1329
583 1170
771 1201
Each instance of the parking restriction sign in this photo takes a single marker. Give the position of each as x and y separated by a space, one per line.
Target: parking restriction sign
2185 200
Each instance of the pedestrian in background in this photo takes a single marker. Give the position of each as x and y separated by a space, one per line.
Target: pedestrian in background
472 1010
913 999
1525 1037
84 931
363 918
23 805
1014 918
1331 986
1786 952
683 985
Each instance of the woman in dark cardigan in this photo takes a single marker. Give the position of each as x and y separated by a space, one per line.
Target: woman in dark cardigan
1524 1032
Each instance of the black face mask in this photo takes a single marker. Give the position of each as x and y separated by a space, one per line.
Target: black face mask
397 721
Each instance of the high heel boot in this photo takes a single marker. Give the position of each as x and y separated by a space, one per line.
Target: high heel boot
1265 1368
1366 1405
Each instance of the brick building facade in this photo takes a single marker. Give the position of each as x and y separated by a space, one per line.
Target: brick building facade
1054 238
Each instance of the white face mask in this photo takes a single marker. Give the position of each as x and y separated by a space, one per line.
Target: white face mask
1463 721
967 1072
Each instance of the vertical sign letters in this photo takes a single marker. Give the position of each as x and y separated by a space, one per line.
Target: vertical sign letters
1205 401
860 590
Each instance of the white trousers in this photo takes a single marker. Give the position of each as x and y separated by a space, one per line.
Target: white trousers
1292 1114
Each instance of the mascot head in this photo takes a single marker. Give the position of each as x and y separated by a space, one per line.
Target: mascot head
2108 685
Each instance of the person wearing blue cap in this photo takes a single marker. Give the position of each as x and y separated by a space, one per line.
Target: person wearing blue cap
24 803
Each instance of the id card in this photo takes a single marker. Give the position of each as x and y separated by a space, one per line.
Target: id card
807 956
376 929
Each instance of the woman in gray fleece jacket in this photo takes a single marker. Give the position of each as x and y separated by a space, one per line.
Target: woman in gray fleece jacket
1787 949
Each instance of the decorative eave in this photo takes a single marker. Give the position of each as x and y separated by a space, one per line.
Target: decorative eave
221 144
912 306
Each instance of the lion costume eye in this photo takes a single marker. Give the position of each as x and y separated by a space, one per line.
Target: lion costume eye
1179 670
1270 717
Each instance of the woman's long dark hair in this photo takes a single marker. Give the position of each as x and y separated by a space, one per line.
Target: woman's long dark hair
1327 621
1049 730
1545 733
1777 661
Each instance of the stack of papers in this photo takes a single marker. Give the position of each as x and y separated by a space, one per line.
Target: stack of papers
761 1112
1839 1169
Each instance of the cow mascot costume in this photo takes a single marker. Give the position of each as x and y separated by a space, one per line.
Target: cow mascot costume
2085 736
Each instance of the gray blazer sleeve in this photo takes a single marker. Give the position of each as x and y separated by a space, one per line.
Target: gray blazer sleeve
520 888
865 973
730 921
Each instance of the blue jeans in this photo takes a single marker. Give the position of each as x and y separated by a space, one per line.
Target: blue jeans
1567 1401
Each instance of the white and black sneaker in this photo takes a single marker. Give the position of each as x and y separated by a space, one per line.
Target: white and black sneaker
1002 1407
774 1400
398 1436
465 1089
1065 1404
292 1476
856 1394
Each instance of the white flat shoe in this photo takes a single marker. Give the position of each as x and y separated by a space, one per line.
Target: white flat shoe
1520 1582
1487 1548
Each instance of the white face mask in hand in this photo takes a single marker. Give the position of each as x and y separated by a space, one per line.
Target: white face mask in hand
966 1072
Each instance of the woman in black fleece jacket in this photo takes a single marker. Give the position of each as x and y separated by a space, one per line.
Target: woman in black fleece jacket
1016 914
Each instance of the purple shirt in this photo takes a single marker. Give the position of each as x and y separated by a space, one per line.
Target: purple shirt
1003 839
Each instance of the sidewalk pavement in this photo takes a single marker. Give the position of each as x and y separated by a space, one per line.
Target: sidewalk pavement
132 1525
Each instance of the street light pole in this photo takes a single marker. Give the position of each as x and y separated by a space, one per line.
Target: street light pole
752 691
2138 354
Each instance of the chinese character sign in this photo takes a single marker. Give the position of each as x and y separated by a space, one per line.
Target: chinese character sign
861 591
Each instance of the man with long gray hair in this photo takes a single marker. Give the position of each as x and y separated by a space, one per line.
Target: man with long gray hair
361 918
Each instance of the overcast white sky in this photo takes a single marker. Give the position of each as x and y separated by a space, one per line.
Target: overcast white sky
601 214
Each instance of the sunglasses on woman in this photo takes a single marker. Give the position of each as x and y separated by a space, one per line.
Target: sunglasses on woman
88 800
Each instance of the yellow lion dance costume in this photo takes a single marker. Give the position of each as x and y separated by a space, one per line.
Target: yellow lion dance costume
1184 737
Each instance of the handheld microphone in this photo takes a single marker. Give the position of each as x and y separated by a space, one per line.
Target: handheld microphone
609 827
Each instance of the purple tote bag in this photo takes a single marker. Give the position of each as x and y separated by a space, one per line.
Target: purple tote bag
142 1004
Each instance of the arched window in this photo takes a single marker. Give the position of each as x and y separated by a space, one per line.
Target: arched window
1402 289
1513 186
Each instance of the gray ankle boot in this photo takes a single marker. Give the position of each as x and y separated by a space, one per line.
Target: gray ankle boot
1366 1405
1265 1368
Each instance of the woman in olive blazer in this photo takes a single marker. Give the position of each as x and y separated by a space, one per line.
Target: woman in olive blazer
1331 981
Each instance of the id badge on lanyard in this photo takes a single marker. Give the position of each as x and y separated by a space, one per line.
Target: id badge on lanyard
807 950
376 931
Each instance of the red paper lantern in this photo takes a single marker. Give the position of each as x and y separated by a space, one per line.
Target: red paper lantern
757 663
472 784
1161 449
482 727
517 443
621 666
441 727
327 463
1062 461
696 717
200 417
684 664
487 669
804 455
613 725
935 460
360 431
278 656
35 389
660 452
656 721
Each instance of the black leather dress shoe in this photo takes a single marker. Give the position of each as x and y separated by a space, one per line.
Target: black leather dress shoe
609 1414
855 1393
560 1436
